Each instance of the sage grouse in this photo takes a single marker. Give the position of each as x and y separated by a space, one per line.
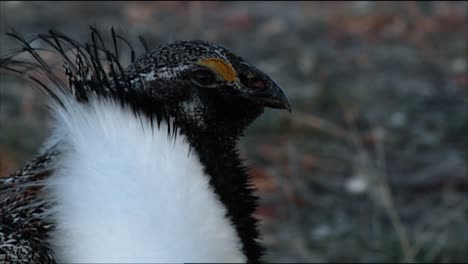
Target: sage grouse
141 164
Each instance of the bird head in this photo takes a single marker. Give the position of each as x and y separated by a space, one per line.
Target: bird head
204 86
207 85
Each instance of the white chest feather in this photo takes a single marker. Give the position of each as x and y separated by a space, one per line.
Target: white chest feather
127 193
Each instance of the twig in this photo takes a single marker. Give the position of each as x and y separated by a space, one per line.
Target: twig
317 123
388 199
380 189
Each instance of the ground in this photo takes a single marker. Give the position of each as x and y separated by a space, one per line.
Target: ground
371 164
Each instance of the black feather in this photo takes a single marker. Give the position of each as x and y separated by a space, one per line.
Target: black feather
144 43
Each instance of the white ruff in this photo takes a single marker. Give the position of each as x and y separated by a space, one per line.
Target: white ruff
126 193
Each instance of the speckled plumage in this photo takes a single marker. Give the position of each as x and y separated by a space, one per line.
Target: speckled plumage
165 84
23 228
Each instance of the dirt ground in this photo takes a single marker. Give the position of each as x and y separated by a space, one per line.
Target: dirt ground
371 165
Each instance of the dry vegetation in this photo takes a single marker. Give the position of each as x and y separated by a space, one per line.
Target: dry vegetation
370 166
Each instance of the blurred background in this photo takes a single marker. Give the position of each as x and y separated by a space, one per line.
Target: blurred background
371 166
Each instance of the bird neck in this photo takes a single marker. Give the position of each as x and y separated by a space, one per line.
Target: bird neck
217 150
229 178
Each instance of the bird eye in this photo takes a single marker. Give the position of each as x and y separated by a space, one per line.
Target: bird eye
253 82
203 77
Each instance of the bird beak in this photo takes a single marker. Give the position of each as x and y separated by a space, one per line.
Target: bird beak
274 97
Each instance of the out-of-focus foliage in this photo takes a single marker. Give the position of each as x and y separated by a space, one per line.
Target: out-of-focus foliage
370 166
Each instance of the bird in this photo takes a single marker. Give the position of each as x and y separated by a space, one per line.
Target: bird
141 163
